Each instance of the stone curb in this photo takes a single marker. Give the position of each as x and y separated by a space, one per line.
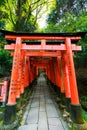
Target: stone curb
23 122
10 126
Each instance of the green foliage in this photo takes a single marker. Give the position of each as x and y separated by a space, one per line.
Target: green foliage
84 98
5 62
5 58
2 42
16 15
85 116
68 16
21 15
81 57
2 24
66 6
71 23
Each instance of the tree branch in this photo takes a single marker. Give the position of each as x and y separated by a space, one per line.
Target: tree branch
35 2
38 6
11 18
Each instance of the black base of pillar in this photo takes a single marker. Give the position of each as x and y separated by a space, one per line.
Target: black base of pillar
58 90
55 88
76 113
10 114
68 101
17 100
62 96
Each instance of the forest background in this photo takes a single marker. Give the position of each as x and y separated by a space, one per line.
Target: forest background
58 16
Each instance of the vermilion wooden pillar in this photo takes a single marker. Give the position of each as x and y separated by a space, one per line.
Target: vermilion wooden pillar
66 76
14 75
20 75
56 71
73 88
34 71
52 72
59 72
10 111
26 73
31 73
28 65
33 76
53 69
37 70
66 80
49 71
18 91
75 105
62 84
23 69
57 76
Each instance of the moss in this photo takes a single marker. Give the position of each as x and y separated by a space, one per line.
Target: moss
84 113
20 106
2 109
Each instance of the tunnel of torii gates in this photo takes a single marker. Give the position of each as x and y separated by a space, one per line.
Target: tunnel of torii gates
52 53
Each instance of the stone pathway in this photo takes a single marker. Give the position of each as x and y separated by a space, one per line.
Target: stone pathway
43 113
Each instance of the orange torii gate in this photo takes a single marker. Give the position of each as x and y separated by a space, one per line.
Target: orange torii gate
52 52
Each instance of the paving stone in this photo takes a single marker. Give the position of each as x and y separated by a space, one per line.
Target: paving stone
43 114
54 121
47 95
36 96
37 90
42 125
48 100
43 107
42 104
35 103
42 99
28 127
42 96
51 110
55 127
64 124
33 116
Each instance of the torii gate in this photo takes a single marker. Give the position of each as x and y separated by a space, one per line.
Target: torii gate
56 57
